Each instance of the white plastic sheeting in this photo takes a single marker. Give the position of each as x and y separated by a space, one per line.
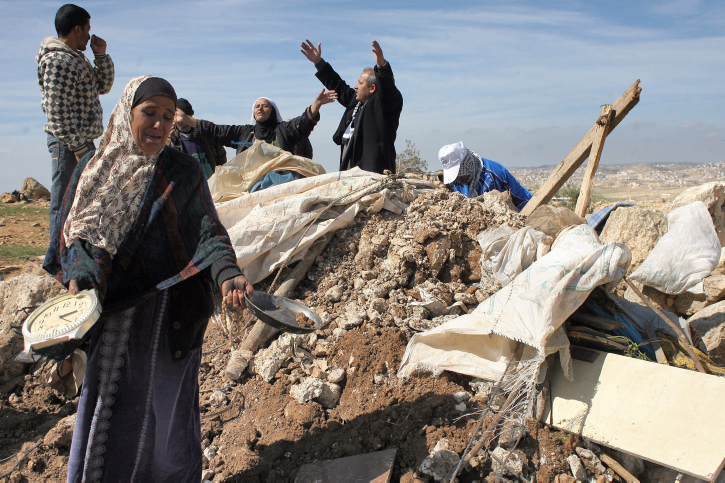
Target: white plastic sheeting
234 178
685 255
265 227
531 309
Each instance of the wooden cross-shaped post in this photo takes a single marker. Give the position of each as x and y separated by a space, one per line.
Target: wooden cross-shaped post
602 128
581 151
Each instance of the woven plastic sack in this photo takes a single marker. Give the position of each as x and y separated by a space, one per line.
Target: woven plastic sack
685 255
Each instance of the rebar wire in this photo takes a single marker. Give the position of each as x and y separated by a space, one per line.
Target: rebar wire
493 397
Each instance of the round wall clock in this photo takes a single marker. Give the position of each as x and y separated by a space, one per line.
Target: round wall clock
63 319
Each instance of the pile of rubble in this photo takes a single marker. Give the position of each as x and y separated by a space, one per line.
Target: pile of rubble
30 191
335 393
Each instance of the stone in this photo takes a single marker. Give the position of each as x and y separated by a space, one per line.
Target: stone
322 348
466 298
353 319
688 303
379 304
62 433
440 461
33 191
638 228
462 396
460 407
336 376
437 254
328 394
590 460
207 475
565 479
709 323
339 332
514 461
209 453
9 198
577 467
713 195
217 399
334 294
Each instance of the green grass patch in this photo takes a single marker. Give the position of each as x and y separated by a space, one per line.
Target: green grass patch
20 253
14 209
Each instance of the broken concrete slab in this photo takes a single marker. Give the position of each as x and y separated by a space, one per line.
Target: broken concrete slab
713 195
577 467
636 406
373 467
689 303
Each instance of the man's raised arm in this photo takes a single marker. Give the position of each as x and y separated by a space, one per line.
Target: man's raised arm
392 98
329 78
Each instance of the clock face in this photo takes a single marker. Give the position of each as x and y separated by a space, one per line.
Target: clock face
64 311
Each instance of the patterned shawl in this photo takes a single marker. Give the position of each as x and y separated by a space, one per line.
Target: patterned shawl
113 183
471 166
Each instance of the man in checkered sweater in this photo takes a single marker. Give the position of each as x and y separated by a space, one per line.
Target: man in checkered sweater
71 87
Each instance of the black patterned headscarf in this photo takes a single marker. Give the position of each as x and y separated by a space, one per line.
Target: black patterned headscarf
471 166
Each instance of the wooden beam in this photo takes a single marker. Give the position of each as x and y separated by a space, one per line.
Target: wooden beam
602 128
597 322
576 157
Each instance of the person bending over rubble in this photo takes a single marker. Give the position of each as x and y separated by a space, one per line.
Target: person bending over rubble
139 225
470 174
266 125
182 138
367 130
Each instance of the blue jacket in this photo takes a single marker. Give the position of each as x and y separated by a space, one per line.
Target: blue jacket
495 177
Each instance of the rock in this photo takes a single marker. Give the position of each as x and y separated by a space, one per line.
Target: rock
209 453
217 399
460 407
338 332
378 379
334 294
466 298
19 296
462 396
354 318
9 198
499 455
336 376
379 304
62 433
322 348
207 475
638 228
590 460
713 195
709 323
440 461
268 361
577 468
565 479
688 303
328 394
552 219
481 387
32 190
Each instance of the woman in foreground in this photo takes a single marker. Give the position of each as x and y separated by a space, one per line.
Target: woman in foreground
139 225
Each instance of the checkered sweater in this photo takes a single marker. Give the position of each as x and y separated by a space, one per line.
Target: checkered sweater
71 86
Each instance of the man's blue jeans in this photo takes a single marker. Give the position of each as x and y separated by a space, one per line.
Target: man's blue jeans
64 163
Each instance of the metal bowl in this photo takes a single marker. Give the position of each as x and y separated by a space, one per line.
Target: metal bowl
280 312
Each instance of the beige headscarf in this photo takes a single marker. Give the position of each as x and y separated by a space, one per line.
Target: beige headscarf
113 183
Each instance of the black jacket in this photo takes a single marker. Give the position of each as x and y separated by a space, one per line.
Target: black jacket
292 135
376 124
215 153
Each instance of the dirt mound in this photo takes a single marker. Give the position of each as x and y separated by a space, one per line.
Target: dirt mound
380 280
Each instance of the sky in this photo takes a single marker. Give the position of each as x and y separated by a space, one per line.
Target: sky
519 82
